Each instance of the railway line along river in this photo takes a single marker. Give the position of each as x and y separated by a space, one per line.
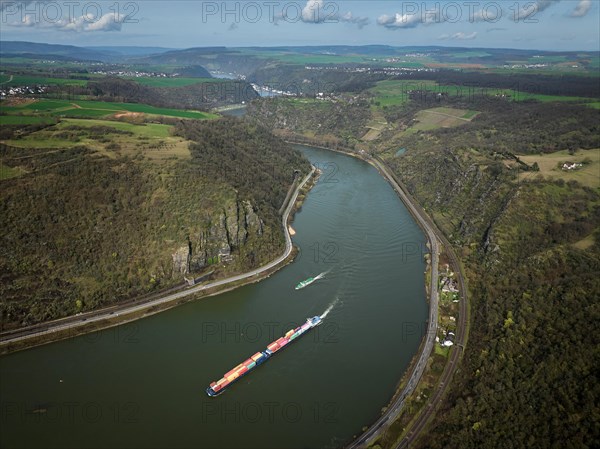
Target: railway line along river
142 384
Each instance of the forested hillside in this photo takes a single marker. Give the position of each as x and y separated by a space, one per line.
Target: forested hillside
532 253
108 219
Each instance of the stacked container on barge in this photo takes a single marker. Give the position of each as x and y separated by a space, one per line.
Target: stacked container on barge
259 358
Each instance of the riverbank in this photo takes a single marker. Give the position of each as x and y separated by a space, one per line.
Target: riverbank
114 316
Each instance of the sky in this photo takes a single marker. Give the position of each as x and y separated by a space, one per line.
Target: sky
535 24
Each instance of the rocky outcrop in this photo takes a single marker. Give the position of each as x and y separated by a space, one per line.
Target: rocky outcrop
181 260
220 239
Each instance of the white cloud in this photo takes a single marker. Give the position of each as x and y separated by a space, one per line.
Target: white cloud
490 14
529 11
319 11
108 22
313 12
359 21
460 36
412 19
582 8
399 20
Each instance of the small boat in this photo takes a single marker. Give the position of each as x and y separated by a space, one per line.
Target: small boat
305 283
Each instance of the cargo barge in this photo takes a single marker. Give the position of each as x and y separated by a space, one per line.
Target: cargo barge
216 388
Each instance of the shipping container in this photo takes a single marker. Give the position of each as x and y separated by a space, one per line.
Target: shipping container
248 362
252 365
229 373
257 356
222 381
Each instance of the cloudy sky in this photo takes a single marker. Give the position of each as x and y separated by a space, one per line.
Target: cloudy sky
537 24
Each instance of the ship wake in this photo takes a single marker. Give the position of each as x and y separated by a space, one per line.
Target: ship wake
322 275
331 306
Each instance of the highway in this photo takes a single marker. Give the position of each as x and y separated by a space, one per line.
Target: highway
95 316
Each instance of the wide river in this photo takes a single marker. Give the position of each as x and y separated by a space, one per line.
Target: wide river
141 385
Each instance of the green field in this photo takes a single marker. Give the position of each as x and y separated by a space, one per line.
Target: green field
146 130
10 172
154 141
89 108
435 118
27 80
471 54
22 120
588 175
392 92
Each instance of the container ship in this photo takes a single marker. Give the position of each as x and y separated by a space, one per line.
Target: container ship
216 388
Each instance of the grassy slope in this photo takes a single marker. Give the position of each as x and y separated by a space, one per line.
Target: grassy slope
77 108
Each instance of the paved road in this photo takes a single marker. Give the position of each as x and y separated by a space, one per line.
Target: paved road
86 319
395 407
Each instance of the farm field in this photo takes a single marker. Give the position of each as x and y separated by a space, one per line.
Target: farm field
587 175
89 108
31 80
397 92
109 138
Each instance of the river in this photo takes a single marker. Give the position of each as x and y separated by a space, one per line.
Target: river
141 385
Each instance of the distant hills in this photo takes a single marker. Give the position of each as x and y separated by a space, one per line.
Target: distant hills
246 60
34 50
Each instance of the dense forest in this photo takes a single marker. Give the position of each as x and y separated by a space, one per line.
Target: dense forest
83 230
203 95
528 373
527 379
346 118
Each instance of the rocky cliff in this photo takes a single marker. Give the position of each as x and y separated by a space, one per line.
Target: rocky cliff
220 239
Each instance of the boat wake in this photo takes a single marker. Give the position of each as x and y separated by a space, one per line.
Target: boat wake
331 306
309 281
321 275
